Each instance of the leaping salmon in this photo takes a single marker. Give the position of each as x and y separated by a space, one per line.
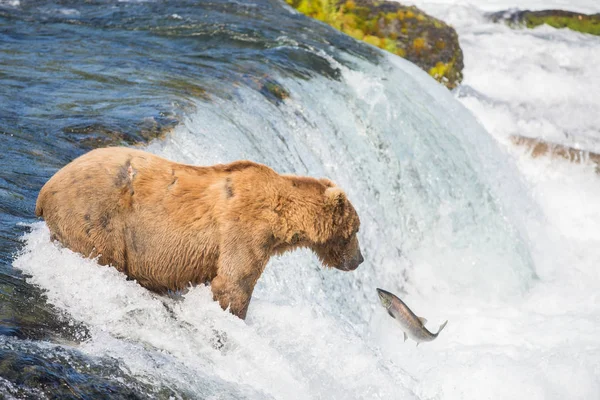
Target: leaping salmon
413 326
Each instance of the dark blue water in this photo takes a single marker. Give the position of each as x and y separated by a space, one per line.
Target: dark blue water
77 75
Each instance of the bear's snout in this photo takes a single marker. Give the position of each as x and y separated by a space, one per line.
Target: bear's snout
353 263
360 258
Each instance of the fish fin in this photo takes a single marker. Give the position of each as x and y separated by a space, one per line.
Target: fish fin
390 313
442 326
417 344
423 320
405 336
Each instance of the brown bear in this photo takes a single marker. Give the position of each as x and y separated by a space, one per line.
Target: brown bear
169 225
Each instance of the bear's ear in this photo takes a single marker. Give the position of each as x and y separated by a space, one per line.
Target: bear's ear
327 182
335 198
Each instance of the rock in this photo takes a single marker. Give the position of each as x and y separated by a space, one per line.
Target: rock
98 135
540 148
556 18
405 31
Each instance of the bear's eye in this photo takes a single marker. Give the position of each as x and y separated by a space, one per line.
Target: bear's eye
295 238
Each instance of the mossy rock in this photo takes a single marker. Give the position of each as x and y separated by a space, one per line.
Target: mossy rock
556 18
405 31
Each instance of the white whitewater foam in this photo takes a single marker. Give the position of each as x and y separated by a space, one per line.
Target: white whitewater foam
538 83
555 71
283 351
437 6
10 3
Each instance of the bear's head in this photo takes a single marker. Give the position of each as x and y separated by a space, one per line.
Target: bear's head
339 226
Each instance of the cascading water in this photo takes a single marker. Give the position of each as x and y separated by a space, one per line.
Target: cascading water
446 218
407 171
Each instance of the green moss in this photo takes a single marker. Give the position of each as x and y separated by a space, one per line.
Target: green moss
390 45
578 23
439 70
559 19
419 45
372 40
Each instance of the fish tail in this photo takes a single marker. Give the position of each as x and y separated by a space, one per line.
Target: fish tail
442 326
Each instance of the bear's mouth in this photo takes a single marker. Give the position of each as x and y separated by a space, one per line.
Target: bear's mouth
353 263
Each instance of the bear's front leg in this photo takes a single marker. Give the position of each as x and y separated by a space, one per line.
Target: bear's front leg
239 268
230 294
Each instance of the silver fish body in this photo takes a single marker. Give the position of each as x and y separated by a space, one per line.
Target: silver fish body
413 326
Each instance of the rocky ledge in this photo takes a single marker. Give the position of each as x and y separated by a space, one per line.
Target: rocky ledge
556 18
541 148
405 31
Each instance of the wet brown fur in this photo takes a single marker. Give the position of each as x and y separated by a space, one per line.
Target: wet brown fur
169 225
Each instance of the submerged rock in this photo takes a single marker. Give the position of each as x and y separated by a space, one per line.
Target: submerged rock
30 371
98 135
556 18
405 31
540 148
